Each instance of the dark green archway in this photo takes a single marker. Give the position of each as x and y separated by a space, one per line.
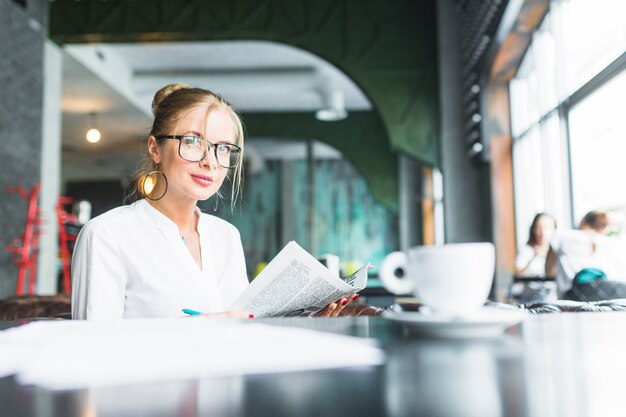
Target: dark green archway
387 47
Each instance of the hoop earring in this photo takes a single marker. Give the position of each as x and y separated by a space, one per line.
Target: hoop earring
152 184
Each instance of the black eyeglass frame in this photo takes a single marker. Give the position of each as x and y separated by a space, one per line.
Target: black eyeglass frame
236 149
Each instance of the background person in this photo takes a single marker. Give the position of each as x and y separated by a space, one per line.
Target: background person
531 259
588 247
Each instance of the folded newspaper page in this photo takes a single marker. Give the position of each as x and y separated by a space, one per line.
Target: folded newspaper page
294 283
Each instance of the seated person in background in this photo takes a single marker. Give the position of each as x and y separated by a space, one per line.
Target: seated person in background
531 259
587 247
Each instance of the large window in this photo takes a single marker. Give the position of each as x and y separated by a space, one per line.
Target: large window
597 130
567 114
592 34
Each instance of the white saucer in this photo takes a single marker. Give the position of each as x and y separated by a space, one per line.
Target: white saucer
486 322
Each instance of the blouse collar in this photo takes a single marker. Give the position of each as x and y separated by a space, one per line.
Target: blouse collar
160 220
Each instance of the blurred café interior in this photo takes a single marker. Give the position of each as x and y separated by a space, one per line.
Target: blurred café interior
369 129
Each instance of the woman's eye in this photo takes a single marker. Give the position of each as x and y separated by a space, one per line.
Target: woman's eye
221 148
192 141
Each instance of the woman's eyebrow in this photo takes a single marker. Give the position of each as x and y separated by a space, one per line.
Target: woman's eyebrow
193 133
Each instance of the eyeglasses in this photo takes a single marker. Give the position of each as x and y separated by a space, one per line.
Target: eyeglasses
195 149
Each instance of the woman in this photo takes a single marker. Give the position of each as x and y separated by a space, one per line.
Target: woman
160 254
531 259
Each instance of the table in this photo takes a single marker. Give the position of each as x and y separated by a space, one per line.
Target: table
567 364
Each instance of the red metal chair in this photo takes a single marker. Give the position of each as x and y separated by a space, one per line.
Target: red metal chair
26 247
64 218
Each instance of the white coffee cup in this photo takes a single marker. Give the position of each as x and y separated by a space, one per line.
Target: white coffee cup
454 278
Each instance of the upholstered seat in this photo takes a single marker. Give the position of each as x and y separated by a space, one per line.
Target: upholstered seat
36 307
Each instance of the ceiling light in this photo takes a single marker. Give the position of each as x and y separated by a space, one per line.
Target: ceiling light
93 135
333 106
331 115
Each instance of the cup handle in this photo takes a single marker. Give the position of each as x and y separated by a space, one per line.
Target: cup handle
393 273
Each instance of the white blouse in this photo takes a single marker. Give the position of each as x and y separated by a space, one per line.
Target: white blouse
131 262
536 264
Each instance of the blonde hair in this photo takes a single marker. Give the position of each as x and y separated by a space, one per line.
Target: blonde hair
169 106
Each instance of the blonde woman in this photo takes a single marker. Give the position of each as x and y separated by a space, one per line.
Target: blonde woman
161 254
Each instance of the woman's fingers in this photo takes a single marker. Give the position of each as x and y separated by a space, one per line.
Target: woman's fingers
341 304
326 311
335 309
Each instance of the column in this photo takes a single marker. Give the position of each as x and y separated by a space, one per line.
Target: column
50 169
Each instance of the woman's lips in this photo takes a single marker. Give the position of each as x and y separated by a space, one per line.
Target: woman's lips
202 180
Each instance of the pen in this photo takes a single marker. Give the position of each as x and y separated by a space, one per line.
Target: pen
191 312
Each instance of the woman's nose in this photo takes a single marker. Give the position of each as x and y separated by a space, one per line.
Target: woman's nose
209 158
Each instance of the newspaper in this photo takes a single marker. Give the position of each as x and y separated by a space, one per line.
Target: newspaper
294 283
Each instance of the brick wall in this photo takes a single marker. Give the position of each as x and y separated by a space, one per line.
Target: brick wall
22 33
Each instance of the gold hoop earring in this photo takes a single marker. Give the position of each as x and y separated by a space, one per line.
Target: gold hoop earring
149 184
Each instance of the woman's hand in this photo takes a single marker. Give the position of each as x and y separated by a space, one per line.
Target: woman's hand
334 309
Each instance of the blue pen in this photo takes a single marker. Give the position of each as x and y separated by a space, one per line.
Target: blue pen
191 312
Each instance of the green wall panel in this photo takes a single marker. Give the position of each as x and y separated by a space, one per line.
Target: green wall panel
345 213
256 215
361 138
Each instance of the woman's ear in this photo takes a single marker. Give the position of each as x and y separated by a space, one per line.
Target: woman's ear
153 150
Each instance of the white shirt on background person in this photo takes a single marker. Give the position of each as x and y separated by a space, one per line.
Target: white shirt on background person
535 263
576 249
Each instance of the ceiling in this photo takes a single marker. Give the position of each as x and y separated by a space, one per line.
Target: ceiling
117 82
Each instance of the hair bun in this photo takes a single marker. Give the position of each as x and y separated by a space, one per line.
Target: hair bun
164 92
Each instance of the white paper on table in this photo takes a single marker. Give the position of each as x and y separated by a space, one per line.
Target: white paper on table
79 354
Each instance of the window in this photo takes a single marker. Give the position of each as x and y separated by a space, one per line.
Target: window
597 130
593 34
567 114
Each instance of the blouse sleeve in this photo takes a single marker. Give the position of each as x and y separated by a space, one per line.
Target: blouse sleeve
234 278
98 275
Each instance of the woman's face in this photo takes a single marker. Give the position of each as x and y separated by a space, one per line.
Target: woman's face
544 229
194 180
